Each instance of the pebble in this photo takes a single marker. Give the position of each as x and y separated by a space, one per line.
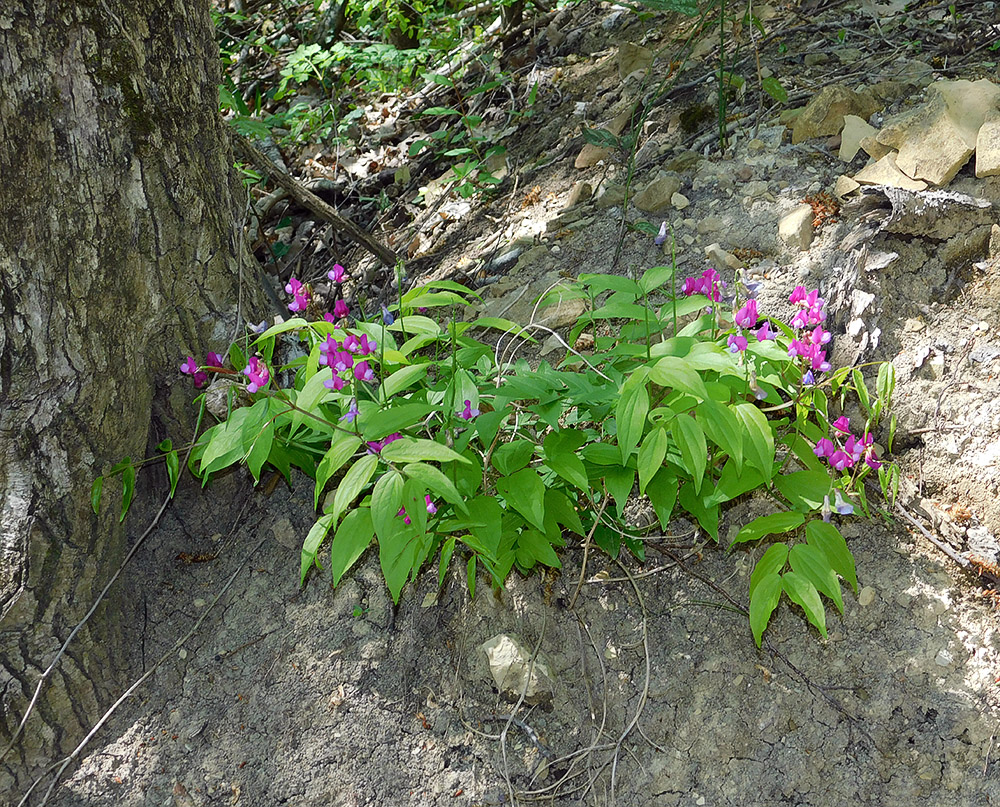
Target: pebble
866 597
943 658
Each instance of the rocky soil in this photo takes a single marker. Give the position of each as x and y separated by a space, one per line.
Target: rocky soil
654 693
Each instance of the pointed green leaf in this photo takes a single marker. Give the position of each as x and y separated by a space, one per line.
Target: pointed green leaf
722 427
804 489
771 562
401 379
435 481
173 471
353 537
694 449
630 414
354 481
95 494
620 482
662 493
804 594
311 545
560 455
525 492
513 456
769 525
827 538
758 439
763 601
676 373
813 565
342 448
532 544
128 489
412 449
651 454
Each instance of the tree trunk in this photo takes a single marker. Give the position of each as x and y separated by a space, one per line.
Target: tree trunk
118 249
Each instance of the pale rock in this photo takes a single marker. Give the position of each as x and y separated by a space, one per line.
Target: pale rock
988 148
515 673
844 186
611 195
873 148
885 172
579 193
755 188
855 129
633 57
679 201
914 72
994 252
709 224
656 195
563 313
284 534
812 59
937 140
824 114
866 596
796 227
718 257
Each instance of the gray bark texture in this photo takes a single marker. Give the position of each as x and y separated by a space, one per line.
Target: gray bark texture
119 248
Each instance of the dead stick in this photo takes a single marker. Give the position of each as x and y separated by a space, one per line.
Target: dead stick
310 200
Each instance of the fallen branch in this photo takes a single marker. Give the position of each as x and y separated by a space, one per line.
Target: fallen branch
311 201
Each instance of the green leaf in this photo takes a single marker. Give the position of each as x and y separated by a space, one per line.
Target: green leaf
804 593
651 454
446 552
354 481
732 483
436 482
95 494
341 449
861 388
620 482
676 373
707 515
559 509
401 379
525 492
353 537
560 455
723 427
412 449
769 525
394 419
886 383
763 601
598 282
128 489
531 543
601 138
485 523
804 489
311 545
282 327
630 414
511 457
827 538
260 448
662 493
771 562
173 472
694 449
655 277
387 498
470 576
773 87
500 324
814 566
758 440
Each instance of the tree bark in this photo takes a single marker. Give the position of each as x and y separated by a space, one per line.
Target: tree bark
119 249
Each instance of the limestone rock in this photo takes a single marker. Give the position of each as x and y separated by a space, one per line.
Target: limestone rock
937 140
679 201
563 313
590 155
995 242
611 195
633 57
657 194
988 148
579 193
516 673
718 257
873 148
824 114
885 172
796 227
844 186
855 129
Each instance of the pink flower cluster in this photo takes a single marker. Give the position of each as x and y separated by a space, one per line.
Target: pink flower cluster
339 357
199 375
378 445
258 374
746 318
300 295
844 453
709 284
810 314
431 510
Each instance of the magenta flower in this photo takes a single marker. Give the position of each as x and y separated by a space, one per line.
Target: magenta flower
330 318
257 372
214 360
746 317
468 413
327 350
842 425
841 460
824 448
708 284
336 274
340 309
336 383
737 343
378 445
366 346
763 333
190 367
854 447
300 295
431 507
341 360
798 295
351 343
362 372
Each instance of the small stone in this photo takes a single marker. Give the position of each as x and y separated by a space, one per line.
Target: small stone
632 57
284 534
182 653
656 195
515 673
612 195
709 224
199 602
756 145
988 149
796 227
943 658
563 313
913 325
813 59
579 193
718 257
873 148
844 186
680 201
994 242
824 114
866 597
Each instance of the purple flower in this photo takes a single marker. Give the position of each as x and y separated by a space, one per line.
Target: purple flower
327 350
737 343
402 512
661 237
352 411
190 367
363 372
341 360
840 460
387 317
330 318
842 506
763 333
468 413
842 425
351 343
824 448
214 360
340 309
336 274
746 317
378 445
259 328
798 295
431 507
299 293
336 383
709 284
854 447
827 512
819 336
808 378
366 346
257 372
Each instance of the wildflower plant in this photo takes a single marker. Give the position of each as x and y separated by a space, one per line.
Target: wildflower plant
436 447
